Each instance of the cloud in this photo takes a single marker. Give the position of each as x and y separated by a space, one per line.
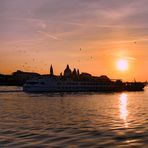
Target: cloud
48 35
74 20
130 58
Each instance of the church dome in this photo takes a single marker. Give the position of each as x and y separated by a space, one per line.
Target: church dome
67 71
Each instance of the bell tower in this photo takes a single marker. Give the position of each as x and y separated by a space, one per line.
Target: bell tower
51 70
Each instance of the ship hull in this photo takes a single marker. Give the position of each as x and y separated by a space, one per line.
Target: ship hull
52 85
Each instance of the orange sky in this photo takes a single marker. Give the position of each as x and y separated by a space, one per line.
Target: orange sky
34 36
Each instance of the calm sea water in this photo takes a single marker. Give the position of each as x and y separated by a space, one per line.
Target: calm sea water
73 119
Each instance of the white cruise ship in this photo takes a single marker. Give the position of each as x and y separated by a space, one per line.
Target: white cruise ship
70 82
53 85
73 81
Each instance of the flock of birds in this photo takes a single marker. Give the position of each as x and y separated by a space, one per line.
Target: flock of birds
27 66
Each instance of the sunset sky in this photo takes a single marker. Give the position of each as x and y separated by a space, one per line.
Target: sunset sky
92 35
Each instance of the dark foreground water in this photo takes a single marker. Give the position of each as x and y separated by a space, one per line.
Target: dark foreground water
73 120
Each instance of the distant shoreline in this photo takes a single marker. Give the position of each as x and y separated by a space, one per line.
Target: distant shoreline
19 78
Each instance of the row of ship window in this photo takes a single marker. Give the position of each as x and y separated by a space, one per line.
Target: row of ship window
79 83
77 88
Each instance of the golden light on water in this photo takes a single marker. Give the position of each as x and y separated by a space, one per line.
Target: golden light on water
122 64
123 108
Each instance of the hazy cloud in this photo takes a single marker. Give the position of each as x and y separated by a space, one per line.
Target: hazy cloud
79 17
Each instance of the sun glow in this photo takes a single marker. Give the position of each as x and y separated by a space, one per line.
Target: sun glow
123 100
122 65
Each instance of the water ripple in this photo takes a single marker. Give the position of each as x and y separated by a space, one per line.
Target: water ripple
73 120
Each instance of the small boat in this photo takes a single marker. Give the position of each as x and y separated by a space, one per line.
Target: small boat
134 86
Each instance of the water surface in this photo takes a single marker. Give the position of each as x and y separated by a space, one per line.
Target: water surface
73 119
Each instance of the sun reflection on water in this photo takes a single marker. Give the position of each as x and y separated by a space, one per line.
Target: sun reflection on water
123 108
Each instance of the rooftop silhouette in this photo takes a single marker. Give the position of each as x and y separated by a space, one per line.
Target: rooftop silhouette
20 78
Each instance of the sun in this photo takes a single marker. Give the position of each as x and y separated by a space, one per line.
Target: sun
122 64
